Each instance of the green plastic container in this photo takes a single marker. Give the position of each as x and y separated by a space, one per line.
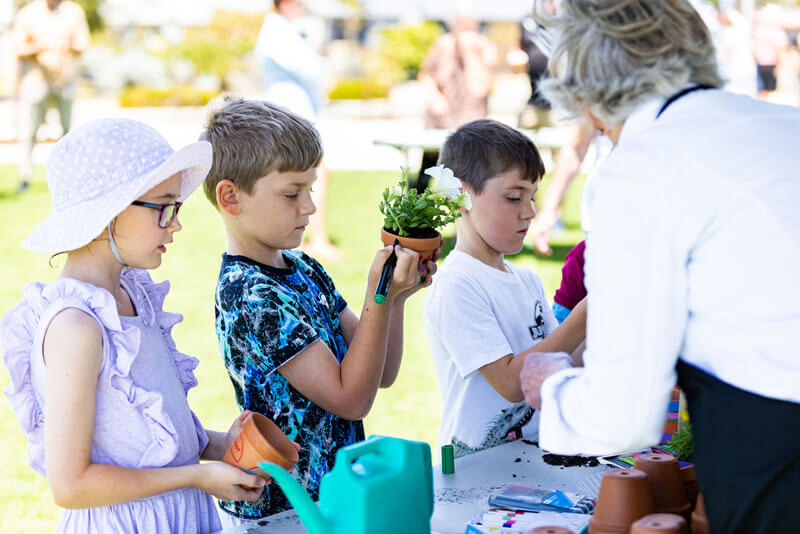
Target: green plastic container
382 485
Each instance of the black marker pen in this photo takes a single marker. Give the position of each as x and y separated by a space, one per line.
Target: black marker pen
386 276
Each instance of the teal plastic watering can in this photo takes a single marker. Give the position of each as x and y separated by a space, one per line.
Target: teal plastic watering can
382 484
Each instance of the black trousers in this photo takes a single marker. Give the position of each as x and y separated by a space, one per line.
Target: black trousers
747 455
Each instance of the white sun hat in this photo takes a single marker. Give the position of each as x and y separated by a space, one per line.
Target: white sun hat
96 171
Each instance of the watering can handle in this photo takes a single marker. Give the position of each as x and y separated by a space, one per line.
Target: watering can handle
348 454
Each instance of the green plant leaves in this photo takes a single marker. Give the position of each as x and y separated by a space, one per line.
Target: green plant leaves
681 444
404 208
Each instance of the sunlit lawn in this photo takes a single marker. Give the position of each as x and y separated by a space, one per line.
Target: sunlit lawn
410 409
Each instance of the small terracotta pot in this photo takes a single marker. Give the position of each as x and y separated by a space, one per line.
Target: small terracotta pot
690 483
261 441
623 498
660 524
666 483
424 247
550 530
699 518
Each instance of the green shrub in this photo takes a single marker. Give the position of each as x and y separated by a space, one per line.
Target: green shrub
358 89
404 46
92 10
138 96
207 56
219 47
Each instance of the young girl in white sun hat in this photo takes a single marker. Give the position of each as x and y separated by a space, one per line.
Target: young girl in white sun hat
96 381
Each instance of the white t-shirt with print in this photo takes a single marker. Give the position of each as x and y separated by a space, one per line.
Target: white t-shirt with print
474 315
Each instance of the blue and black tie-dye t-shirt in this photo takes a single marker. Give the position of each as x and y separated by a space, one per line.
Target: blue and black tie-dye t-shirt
264 316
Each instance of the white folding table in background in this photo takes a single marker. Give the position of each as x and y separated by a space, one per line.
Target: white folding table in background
547 138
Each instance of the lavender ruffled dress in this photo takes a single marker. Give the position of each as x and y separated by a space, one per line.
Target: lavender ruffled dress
142 417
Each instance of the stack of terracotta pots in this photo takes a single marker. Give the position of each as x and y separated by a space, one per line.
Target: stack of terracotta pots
624 497
629 497
666 483
690 483
699 519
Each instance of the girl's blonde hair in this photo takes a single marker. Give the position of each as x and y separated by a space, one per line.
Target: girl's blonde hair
610 56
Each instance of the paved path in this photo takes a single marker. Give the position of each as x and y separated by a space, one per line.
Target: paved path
348 130
348 140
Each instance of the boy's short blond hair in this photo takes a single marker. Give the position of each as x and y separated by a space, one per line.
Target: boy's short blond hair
252 138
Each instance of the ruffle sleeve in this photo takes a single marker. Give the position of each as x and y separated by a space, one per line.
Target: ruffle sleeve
21 333
17 331
152 295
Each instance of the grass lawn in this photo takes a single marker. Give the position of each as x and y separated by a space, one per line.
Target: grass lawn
410 409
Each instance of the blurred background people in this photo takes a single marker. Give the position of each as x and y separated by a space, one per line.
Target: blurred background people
457 78
295 74
537 111
48 37
565 169
769 40
570 157
734 43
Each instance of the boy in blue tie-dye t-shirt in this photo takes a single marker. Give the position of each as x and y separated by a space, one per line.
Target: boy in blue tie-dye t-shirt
292 347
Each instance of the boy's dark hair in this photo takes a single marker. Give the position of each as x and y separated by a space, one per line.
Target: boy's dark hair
252 138
482 149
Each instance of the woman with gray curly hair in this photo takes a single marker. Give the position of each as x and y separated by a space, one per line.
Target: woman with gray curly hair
691 262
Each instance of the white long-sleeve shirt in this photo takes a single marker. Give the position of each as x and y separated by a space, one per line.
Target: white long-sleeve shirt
694 254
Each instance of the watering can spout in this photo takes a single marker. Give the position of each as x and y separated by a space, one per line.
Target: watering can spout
306 509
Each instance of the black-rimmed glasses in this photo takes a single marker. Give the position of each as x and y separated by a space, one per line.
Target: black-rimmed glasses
166 212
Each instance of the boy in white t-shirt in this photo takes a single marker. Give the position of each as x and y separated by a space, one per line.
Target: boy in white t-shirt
484 315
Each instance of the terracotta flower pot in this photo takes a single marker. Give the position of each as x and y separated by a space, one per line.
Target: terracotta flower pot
425 247
623 498
690 483
666 483
261 441
660 524
550 530
699 518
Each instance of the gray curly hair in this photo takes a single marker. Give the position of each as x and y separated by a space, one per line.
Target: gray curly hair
610 56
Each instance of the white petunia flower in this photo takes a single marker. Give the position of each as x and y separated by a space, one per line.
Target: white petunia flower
443 181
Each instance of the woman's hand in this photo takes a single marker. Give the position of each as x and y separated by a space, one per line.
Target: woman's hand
229 483
537 367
